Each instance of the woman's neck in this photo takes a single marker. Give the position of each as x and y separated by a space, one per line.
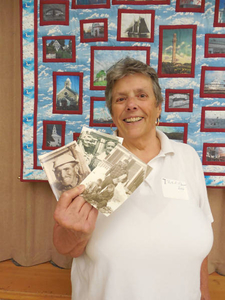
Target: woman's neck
144 150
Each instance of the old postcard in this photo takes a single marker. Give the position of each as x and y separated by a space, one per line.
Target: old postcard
96 145
114 179
65 167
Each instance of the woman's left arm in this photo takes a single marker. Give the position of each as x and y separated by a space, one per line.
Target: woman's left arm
204 283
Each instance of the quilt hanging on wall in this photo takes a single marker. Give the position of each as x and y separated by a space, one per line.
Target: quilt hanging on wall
67 46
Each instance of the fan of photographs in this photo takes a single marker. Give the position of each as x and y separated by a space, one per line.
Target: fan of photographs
109 171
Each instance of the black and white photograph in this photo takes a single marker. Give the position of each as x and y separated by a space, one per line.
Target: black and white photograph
213 119
53 134
114 179
96 145
136 25
65 168
215 45
54 12
179 100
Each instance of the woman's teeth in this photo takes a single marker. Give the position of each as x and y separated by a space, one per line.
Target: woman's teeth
130 120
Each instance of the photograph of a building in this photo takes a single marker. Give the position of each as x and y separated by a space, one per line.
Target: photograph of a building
214 82
93 30
59 48
67 98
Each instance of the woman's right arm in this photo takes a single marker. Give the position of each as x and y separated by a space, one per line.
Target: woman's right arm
75 221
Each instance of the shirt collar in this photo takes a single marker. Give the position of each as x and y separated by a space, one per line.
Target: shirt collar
166 144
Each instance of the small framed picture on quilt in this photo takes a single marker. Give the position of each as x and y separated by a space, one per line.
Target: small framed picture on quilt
212 82
213 154
54 12
104 57
190 6
214 45
177 47
179 100
213 119
99 114
67 92
94 30
53 134
136 25
59 49
219 13
79 4
175 131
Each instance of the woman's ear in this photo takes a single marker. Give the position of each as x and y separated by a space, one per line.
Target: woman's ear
159 110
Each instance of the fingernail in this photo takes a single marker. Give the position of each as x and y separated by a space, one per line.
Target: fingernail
81 187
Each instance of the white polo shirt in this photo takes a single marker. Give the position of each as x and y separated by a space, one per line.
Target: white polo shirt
152 247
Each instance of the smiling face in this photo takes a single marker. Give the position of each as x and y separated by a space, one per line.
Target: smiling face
67 174
109 146
134 108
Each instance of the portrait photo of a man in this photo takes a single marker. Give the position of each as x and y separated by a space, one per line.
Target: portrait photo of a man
65 168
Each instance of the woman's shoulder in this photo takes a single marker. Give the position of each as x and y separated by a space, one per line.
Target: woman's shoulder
182 146
186 151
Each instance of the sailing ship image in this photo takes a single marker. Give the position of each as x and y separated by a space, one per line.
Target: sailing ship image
138 28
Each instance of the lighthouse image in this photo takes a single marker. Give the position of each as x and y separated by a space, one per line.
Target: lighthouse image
174 46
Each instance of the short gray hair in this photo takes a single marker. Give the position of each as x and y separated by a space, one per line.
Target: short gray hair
129 66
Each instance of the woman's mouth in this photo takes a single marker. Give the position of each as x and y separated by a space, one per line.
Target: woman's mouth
133 119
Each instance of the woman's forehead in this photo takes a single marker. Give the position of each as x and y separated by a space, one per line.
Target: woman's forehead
139 82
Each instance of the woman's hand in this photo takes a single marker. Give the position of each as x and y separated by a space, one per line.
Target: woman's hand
75 221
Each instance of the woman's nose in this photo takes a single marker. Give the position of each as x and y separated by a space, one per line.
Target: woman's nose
131 103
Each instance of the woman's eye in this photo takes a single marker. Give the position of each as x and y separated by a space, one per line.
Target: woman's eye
120 99
142 95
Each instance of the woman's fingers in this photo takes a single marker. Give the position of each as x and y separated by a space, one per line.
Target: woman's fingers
68 197
73 212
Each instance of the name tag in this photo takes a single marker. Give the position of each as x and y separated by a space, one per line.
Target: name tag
174 189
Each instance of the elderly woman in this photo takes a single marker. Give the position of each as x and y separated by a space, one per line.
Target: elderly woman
154 247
